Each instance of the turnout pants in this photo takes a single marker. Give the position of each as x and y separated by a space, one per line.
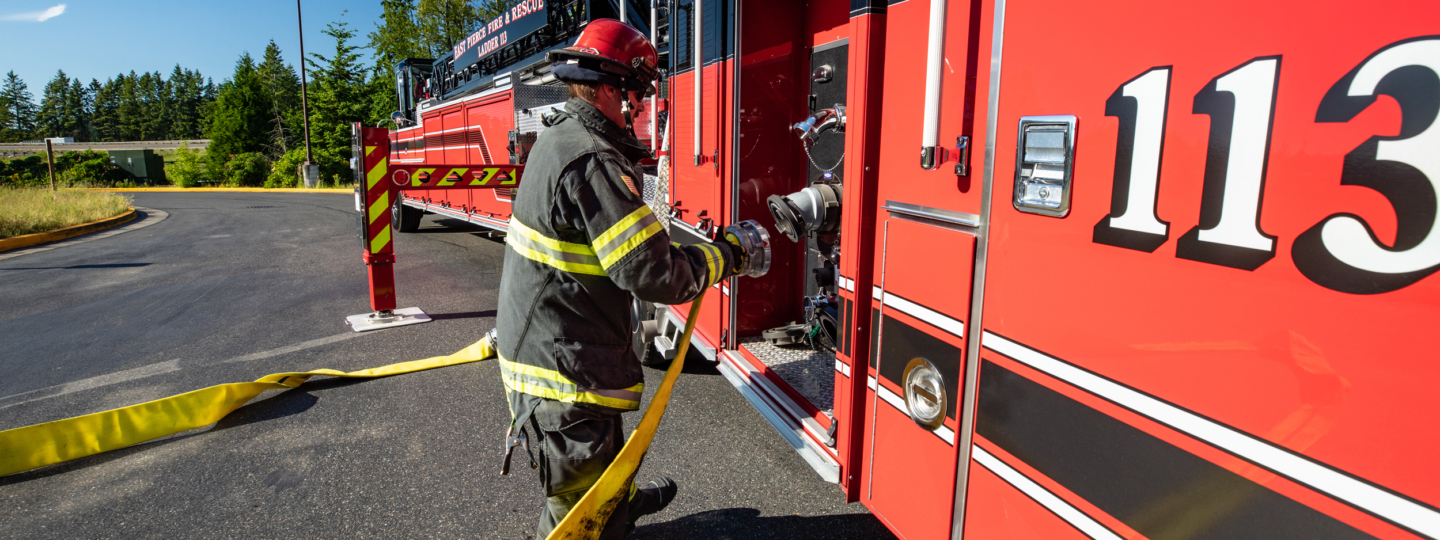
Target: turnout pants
576 445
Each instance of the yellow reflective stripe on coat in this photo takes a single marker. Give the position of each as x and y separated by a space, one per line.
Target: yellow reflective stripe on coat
566 256
550 384
625 235
712 255
29 447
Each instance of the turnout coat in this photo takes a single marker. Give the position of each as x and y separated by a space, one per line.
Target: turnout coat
582 244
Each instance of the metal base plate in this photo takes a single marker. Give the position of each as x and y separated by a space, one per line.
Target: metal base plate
364 322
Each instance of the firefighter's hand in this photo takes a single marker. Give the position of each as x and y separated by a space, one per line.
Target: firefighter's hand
737 252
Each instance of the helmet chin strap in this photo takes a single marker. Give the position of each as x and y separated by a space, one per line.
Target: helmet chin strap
626 110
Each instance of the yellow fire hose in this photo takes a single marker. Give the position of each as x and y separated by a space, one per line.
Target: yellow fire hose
588 517
30 447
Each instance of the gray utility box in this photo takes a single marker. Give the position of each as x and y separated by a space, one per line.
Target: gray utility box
144 165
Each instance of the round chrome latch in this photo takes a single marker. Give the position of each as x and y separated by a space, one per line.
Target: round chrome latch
925 393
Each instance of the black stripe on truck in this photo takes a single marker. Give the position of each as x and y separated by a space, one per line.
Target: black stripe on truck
1154 487
874 338
903 343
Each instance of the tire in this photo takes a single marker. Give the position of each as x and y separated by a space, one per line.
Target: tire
405 218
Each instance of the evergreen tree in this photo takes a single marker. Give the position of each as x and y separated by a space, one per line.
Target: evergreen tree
128 109
150 91
208 94
16 98
50 118
283 85
77 105
397 36
184 100
443 23
241 117
6 117
337 99
105 113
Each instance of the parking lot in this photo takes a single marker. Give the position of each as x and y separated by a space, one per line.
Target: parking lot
231 287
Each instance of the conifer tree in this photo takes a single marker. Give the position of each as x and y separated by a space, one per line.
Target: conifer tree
337 98
283 85
128 109
77 107
16 98
104 113
443 23
240 119
51 117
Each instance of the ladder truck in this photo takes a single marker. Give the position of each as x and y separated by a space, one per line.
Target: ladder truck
1043 269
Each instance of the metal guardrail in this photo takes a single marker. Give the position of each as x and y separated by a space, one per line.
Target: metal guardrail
39 147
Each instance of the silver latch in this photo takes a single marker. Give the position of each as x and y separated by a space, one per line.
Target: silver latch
1044 162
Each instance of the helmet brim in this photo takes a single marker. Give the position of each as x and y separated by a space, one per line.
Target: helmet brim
596 62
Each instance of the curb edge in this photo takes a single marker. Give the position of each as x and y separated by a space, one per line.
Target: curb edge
27 240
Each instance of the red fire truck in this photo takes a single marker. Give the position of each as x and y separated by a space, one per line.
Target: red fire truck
1042 269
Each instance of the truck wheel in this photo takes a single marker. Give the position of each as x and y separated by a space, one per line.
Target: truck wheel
405 218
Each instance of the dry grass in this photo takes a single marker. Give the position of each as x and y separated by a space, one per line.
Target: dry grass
33 210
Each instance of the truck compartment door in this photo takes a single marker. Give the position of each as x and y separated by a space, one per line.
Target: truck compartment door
915 376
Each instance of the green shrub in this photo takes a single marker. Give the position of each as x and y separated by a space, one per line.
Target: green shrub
189 169
285 173
246 169
92 172
72 169
28 171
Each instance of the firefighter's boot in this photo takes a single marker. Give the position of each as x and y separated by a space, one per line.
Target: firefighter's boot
652 498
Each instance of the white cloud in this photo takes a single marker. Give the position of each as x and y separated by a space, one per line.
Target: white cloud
36 16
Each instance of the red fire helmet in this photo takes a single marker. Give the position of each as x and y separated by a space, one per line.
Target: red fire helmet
609 52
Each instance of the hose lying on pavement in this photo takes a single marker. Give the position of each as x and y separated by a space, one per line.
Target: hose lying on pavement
30 447
588 517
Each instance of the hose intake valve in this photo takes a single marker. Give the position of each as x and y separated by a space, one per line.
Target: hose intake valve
754 242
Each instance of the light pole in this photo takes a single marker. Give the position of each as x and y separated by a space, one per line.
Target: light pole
310 172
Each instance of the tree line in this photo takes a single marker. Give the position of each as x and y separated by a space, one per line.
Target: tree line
253 117
131 107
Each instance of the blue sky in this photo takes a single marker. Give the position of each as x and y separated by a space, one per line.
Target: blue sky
99 39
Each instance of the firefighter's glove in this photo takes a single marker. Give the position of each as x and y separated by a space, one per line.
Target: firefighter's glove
750 244
738 257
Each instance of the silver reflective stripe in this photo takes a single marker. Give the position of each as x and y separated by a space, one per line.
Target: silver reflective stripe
622 240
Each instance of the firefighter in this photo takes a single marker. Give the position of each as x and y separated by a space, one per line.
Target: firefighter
582 245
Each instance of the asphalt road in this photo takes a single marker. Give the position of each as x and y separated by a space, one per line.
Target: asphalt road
230 287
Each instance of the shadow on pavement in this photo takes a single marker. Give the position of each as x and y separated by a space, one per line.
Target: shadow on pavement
745 523
288 403
80 266
695 364
451 225
465 315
